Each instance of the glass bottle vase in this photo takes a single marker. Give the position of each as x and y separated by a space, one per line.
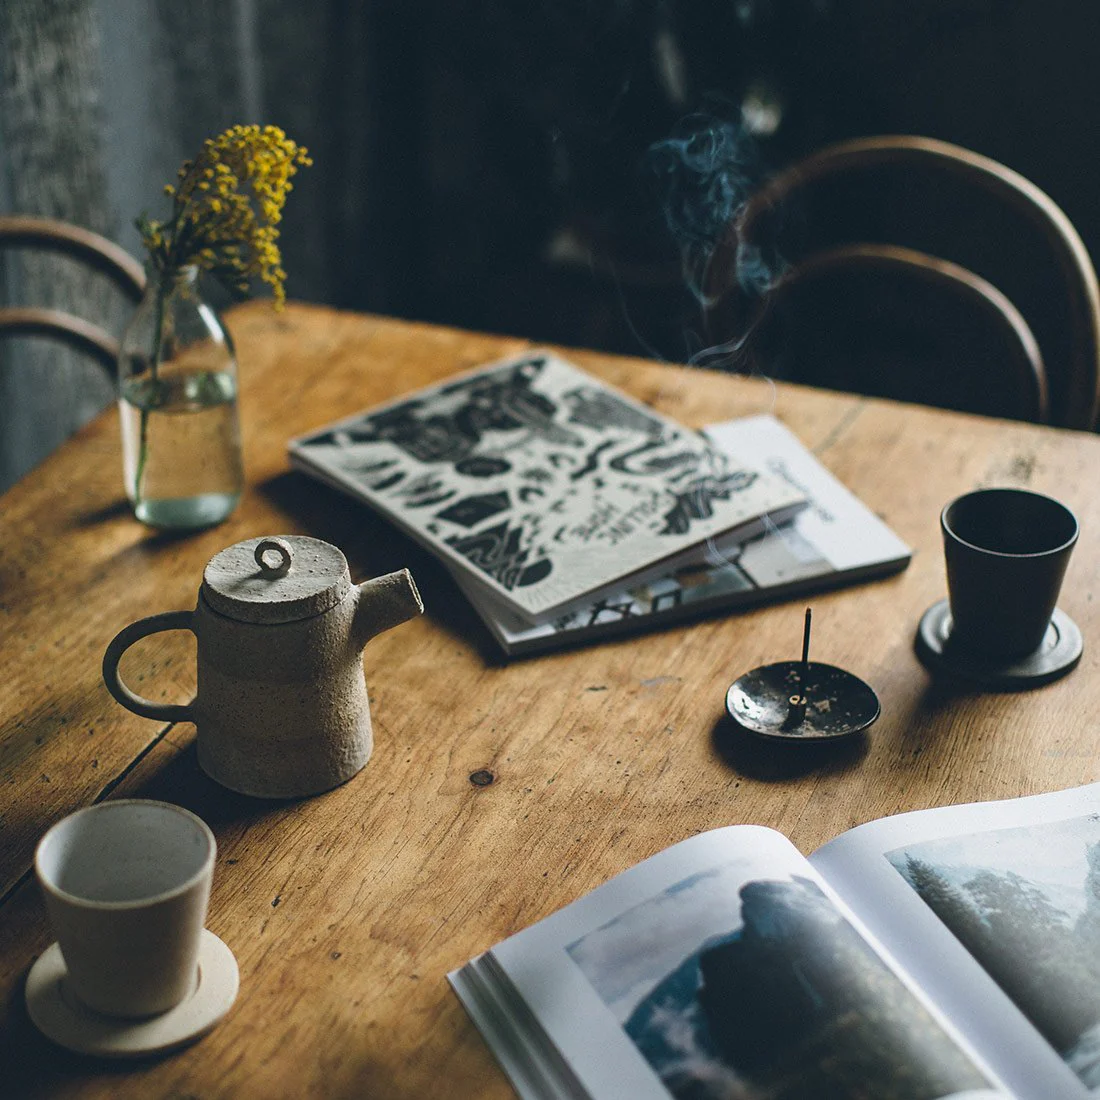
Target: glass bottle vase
181 440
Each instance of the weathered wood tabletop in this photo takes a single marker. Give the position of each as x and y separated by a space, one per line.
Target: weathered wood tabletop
346 911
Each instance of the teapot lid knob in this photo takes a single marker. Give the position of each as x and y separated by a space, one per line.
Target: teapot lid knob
281 549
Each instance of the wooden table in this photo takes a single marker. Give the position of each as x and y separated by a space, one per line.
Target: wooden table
346 911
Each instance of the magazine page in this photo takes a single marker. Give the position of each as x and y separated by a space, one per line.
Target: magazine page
994 908
837 539
539 480
718 549
723 968
843 532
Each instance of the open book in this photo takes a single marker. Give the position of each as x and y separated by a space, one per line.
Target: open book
542 486
836 540
943 953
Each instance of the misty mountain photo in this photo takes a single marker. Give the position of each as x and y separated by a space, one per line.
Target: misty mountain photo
1025 902
760 989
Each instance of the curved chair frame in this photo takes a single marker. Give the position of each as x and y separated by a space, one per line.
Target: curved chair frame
1079 405
1026 367
98 253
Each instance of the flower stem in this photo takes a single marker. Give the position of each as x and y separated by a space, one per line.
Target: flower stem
158 335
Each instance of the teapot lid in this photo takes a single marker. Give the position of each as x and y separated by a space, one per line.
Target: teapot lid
277 579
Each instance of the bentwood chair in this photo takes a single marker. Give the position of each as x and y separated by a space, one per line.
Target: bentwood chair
49 387
908 267
93 250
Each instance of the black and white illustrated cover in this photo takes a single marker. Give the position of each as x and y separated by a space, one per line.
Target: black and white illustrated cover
836 540
946 953
541 484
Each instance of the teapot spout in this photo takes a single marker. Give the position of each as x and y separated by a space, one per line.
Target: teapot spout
384 602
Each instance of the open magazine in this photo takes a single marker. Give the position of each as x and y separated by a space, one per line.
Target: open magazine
943 953
541 485
836 540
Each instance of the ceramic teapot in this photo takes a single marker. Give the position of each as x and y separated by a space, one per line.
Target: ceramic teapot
281 707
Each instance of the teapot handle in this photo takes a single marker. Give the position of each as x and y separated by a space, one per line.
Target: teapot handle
166 712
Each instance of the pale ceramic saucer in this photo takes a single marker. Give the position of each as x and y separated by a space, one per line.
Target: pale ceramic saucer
57 1013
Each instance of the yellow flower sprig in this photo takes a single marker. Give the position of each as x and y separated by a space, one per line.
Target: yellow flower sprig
226 209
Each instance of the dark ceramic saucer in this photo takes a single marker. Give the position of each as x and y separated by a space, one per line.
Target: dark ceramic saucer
1058 654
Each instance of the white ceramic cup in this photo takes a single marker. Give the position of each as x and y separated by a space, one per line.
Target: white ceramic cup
126 886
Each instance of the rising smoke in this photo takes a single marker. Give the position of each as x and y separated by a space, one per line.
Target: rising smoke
705 172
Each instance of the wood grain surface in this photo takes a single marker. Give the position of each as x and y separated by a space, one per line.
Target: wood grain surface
346 911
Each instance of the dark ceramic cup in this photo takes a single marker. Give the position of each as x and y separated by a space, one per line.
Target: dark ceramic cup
1006 553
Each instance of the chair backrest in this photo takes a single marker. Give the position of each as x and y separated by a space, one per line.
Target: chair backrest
96 252
964 250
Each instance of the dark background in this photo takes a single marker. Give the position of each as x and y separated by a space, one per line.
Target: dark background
513 139
489 164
